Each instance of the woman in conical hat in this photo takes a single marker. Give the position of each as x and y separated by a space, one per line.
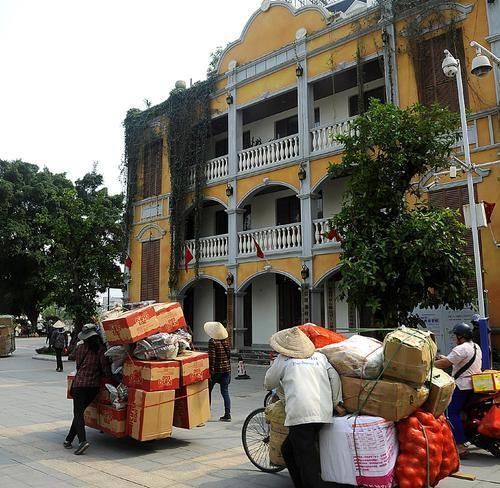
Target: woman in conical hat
312 390
219 356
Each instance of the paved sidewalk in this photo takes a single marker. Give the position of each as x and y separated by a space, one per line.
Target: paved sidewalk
35 416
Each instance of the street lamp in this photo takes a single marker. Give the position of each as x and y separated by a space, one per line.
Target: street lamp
481 64
451 69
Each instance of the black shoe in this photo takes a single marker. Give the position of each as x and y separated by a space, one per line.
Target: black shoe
225 418
68 445
82 447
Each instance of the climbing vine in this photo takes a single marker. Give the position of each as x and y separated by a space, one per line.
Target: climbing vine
184 122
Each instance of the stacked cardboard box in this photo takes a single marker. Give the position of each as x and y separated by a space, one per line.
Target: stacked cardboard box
157 389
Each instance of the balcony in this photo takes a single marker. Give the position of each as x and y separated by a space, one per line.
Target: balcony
279 151
271 239
211 248
321 227
215 170
323 137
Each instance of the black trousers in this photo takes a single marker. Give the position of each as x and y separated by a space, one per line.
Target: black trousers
59 358
82 398
301 454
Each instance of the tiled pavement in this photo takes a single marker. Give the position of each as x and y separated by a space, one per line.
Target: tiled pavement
34 418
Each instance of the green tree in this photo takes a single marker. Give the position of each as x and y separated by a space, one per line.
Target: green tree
27 195
89 235
398 255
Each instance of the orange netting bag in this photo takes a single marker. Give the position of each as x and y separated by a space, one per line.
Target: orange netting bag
320 336
490 423
451 461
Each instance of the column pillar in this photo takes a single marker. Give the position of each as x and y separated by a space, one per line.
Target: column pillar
389 47
230 314
306 303
239 321
316 307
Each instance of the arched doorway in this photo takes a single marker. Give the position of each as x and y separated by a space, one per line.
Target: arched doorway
271 301
204 300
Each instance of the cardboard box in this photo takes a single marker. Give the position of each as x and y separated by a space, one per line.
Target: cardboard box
486 382
390 400
69 382
170 316
408 355
442 387
112 420
192 405
131 326
91 416
151 375
150 414
194 367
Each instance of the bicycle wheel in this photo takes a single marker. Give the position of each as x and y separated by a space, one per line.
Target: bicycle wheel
268 398
255 439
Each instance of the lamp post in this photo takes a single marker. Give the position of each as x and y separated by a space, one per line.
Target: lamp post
451 68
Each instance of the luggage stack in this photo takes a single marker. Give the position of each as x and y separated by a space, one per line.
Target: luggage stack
167 383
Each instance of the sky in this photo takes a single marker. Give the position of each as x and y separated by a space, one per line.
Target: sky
70 70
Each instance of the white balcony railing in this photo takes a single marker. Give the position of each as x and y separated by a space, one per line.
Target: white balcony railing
279 238
323 137
321 227
214 170
213 247
270 153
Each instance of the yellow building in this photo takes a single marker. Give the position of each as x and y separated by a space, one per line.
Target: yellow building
298 73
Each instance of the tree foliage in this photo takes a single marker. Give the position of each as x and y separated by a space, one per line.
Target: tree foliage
60 241
398 255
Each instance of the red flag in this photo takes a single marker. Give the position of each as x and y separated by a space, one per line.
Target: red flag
333 234
488 210
188 257
260 252
128 263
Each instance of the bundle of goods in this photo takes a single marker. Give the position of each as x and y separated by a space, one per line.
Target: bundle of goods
320 336
164 383
7 335
359 450
490 423
427 451
275 417
357 357
393 382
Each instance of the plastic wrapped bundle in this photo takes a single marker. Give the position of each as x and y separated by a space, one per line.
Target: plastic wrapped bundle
183 339
358 357
117 355
159 346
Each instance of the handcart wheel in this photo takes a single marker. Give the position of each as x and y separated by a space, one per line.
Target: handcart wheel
255 438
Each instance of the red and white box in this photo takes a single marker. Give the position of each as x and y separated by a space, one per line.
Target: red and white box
192 405
151 375
194 367
112 420
170 317
91 416
131 326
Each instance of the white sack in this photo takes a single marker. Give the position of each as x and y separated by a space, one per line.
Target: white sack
358 357
359 451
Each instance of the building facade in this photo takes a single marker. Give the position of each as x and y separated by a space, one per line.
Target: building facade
297 75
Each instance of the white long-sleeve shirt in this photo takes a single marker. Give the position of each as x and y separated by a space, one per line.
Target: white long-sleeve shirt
312 388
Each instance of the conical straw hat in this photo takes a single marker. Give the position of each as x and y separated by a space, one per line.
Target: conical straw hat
215 330
292 343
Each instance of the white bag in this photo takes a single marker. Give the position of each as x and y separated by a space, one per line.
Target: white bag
359 451
358 357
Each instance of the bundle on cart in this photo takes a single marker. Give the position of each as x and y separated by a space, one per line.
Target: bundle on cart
166 382
395 432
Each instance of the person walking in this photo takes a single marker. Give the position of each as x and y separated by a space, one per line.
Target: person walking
59 341
91 367
219 357
313 391
466 360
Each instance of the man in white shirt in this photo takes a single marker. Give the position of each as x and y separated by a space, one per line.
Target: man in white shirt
312 390
466 360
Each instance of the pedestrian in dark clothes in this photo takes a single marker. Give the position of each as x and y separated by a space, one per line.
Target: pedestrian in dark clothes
59 341
91 367
219 356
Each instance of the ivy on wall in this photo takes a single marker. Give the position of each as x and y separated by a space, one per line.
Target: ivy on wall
184 121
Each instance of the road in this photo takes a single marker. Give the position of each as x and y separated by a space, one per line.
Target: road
35 416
